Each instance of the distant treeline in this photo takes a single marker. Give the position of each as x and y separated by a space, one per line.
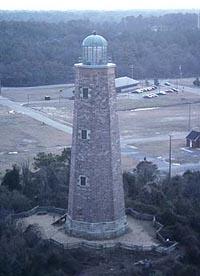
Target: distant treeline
65 16
37 53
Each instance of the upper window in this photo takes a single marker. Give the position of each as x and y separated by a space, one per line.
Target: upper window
83 180
85 93
83 134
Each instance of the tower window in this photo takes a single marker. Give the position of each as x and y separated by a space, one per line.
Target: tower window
82 181
84 134
85 93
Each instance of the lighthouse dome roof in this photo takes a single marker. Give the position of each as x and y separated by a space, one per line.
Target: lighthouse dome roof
94 40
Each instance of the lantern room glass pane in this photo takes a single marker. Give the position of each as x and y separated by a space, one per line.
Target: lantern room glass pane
94 55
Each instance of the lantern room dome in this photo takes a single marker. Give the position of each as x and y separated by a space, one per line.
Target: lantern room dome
94 40
94 50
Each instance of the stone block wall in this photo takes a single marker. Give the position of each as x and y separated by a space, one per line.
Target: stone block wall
98 158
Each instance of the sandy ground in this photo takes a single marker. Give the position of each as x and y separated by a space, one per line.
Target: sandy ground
140 232
38 93
23 137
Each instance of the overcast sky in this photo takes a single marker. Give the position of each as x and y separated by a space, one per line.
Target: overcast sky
97 4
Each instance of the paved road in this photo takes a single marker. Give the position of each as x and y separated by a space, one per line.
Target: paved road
165 137
17 107
162 164
64 86
126 148
131 151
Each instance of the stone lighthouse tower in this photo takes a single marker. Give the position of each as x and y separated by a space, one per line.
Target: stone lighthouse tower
96 197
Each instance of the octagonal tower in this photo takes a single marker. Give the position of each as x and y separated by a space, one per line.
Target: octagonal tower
96 198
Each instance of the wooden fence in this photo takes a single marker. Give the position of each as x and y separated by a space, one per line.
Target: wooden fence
168 246
38 209
97 246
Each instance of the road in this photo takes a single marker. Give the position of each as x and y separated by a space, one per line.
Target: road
19 108
162 164
126 148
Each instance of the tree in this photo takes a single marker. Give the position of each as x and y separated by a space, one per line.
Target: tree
48 55
11 179
52 174
196 82
156 82
130 187
146 171
13 200
146 82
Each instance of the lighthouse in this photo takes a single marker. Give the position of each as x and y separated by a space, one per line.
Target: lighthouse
96 197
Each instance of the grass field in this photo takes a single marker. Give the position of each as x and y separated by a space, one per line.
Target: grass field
147 123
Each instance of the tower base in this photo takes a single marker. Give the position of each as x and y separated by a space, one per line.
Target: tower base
96 231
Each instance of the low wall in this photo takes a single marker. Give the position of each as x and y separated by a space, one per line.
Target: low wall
92 245
157 225
168 247
137 215
51 209
25 214
38 209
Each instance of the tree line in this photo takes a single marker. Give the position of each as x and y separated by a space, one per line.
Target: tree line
40 53
174 202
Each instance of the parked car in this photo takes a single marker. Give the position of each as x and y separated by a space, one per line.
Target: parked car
162 93
150 95
175 89
169 91
167 83
147 96
137 91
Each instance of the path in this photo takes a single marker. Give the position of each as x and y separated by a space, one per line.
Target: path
19 108
125 142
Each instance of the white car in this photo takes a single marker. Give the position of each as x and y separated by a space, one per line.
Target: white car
150 95
175 89
162 93
137 91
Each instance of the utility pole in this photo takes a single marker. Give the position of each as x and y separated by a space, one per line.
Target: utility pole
198 21
170 156
180 73
189 117
132 67
0 86
60 95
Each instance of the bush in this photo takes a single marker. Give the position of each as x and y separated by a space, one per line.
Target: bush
196 82
168 217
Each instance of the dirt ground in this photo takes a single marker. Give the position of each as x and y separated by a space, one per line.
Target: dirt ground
23 137
142 121
140 232
38 93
